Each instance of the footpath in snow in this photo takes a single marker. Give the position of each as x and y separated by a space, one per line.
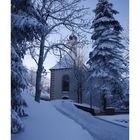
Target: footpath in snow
122 119
99 129
47 123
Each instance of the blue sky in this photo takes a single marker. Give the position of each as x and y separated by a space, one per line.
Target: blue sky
120 5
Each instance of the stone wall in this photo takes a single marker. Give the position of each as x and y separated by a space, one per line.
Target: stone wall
56 84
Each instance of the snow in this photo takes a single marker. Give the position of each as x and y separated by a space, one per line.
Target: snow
98 129
61 120
46 123
103 19
16 122
19 20
65 62
44 94
122 120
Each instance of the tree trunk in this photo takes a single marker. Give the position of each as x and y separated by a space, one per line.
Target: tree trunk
78 96
80 92
90 93
39 70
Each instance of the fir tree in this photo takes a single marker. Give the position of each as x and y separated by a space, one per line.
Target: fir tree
106 61
23 27
18 83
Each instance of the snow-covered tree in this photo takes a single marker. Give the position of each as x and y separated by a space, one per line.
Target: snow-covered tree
32 80
18 83
23 27
107 64
125 41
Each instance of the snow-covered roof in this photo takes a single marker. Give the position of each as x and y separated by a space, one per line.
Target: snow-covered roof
64 63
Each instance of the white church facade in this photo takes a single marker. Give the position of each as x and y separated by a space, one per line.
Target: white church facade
63 82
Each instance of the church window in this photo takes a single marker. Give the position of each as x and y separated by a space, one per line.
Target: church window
65 83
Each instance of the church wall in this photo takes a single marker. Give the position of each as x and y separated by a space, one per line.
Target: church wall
56 84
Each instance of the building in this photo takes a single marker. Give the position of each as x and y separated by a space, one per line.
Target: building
63 81
68 83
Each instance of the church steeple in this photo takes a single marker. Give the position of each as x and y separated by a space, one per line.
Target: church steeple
72 43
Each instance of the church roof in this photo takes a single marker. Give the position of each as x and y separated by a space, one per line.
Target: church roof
64 63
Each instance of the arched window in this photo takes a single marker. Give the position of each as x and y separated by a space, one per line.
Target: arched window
65 83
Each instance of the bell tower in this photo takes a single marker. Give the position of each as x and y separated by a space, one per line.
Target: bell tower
72 43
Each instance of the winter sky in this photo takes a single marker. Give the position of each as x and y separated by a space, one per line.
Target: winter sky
120 5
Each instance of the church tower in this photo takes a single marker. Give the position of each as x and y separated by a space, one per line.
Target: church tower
72 43
62 76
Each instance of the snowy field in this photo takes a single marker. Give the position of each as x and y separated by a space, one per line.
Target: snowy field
61 120
46 123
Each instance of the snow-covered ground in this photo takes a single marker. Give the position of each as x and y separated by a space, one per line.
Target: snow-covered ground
61 120
99 129
122 120
46 123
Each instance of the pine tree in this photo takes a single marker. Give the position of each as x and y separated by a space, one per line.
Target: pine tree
18 83
23 28
106 61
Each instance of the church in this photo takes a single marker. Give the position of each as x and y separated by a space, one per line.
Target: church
65 84
63 80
